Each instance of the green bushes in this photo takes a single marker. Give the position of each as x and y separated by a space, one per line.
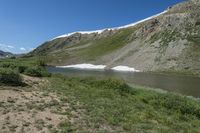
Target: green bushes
117 85
18 66
31 67
197 23
36 72
8 65
21 69
41 62
10 77
183 105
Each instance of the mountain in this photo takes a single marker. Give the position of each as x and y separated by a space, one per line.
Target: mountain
169 41
5 54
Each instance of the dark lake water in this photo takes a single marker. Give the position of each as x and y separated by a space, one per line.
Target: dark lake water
186 85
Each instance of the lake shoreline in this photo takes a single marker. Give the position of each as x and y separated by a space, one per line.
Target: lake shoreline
185 85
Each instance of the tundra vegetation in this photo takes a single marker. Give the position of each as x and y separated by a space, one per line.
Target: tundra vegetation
43 102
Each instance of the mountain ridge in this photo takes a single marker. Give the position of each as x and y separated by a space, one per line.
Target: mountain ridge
114 28
5 54
168 42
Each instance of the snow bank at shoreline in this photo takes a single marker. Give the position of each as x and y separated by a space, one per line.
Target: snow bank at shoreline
100 67
84 66
124 69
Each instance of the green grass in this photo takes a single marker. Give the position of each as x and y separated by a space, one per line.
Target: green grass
14 63
108 44
10 77
105 105
97 46
112 103
29 66
194 39
58 44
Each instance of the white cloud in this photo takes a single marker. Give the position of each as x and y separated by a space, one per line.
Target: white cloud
13 49
10 46
5 47
22 49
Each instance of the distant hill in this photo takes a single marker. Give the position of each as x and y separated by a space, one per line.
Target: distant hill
5 54
169 41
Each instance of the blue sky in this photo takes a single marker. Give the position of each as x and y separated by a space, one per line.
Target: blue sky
25 24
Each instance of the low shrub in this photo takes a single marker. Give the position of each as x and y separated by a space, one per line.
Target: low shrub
175 103
197 23
21 69
41 61
115 84
12 57
37 72
10 77
118 85
8 65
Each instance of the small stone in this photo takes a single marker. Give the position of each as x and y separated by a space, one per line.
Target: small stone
10 100
26 124
48 118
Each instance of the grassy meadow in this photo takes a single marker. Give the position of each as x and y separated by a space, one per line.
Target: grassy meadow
95 105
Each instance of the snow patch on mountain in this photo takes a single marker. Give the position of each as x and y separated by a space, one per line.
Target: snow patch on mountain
115 28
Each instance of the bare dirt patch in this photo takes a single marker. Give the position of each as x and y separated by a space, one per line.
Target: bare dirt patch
31 110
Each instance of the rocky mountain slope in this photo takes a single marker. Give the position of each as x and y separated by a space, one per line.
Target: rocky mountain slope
5 54
167 42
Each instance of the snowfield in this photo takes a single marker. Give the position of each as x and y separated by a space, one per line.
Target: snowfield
125 69
115 28
100 67
84 66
